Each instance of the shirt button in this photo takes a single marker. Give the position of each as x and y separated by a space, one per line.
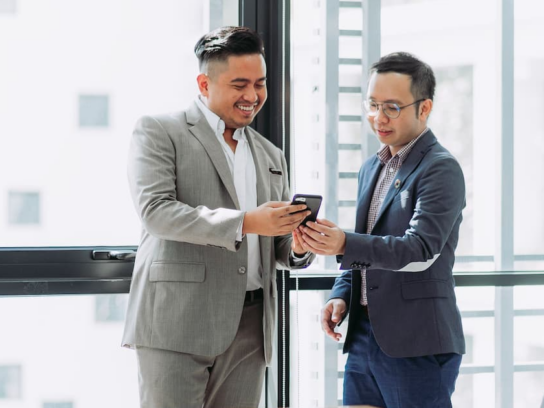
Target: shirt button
242 270
391 170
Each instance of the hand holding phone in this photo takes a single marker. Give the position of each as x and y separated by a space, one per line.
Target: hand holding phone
313 202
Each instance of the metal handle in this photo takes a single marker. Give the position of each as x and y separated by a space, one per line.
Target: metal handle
116 255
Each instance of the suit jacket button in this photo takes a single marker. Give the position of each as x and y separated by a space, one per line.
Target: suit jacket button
242 270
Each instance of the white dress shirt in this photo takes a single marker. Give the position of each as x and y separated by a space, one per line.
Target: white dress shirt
242 169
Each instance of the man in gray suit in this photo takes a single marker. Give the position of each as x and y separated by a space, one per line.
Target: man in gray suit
211 195
405 337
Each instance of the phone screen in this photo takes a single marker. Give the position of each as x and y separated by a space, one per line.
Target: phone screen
313 202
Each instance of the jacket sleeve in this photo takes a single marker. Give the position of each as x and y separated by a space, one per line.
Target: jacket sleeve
439 202
152 181
282 244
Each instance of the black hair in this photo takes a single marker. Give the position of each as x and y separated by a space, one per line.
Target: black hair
423 80
221 43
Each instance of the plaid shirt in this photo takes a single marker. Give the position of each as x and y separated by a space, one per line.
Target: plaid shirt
391 166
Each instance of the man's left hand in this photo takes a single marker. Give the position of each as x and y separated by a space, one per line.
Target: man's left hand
323 238
296 245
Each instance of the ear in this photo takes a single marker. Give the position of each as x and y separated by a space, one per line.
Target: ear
203 81
425 109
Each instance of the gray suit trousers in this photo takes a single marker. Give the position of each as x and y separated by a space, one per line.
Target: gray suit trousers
234 379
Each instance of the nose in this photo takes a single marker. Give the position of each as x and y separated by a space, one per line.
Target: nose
380 116
251 95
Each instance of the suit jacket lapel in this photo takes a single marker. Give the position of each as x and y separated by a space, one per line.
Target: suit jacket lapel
200 128
260 159
415 156
368 184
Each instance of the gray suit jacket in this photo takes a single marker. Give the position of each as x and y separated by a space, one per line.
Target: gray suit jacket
189 280
409 254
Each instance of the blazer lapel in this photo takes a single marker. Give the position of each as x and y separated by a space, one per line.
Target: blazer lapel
260 159
365 196
419 151
200 128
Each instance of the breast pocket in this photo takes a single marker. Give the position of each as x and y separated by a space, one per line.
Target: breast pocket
177 272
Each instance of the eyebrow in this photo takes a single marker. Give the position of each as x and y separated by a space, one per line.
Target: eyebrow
245 80
387 101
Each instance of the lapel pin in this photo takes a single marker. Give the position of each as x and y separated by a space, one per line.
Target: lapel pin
397 183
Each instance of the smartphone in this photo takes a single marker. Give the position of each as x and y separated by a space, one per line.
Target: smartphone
313 202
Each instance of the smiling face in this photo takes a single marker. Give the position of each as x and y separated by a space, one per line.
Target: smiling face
235 90
396 133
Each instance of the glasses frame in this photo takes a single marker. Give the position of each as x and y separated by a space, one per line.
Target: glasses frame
366 107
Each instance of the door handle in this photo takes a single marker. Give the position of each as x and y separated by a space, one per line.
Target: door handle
105 255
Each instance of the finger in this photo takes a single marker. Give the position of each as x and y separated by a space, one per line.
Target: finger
326 323
325 222
291 223
319 228
278 204
337 314
312 246
296 238
290 209
310 240
316 236
295 218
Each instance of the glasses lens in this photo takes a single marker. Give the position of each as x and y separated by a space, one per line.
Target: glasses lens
391 109
371 108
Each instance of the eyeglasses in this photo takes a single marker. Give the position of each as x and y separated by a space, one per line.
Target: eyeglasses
391 110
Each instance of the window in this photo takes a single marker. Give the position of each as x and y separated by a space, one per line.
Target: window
110 308
66 354
485 112
58 405
57 87
8 6
10 382
24 208
94 111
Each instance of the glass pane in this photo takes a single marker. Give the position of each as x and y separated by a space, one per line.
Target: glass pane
66 354
8 6
466 73
474 391
528 339
317 362
476 305
529 390
528 134
528 297
76 76
326 88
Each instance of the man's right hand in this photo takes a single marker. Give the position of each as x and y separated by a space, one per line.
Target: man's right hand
331 315
274 218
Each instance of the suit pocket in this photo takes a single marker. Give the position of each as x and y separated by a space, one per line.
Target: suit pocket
404 195
177 272
426 289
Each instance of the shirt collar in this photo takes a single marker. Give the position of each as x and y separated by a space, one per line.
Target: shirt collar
384 154
216 123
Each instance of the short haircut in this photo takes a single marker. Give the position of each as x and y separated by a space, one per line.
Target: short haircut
221 43
423 80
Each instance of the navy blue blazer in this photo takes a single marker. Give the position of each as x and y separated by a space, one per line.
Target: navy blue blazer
409 254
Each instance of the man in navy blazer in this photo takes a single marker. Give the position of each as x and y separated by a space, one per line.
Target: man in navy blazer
405 337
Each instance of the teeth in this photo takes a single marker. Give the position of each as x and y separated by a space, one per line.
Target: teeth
246 108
